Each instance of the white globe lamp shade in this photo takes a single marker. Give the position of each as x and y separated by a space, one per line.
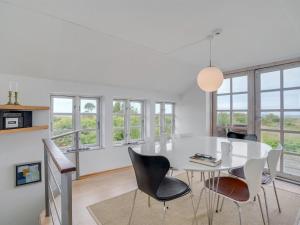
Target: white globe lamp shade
210 79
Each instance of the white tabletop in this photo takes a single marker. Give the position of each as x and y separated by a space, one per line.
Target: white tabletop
179 150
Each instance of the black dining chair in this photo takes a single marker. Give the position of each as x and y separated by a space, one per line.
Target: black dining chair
249 137
150 172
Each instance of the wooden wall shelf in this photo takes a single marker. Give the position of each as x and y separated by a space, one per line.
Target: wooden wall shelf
23 107
27 129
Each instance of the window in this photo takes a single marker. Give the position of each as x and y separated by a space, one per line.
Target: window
69 113
264 101
128 121
231 108
278 106
158 127
89 121
164 119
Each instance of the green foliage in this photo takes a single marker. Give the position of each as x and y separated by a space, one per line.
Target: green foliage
64 142
88 121
157 131
89 107
63 124
157 120
135 120
292 123
118 121
118 106
135 133
168 125
292 143
240 118
270 138
118 135
223 118
88 137
270 121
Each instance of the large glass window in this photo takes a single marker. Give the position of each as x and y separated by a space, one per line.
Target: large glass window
232 105
266 102
69 113
279 110
164 119
128 121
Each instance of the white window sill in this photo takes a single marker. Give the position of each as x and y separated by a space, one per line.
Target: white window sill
129 144
84 149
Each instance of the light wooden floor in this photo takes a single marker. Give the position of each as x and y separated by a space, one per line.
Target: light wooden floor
96 188
99 187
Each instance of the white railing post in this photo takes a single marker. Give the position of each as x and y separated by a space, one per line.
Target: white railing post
77 144
66 198
46 164
63 214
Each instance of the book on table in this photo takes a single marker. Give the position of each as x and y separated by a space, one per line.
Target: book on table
205 159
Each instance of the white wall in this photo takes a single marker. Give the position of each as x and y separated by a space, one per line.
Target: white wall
22 205
193 112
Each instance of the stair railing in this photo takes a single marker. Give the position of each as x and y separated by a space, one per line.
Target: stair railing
54 157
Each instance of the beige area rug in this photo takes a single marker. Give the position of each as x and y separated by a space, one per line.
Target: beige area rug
116 211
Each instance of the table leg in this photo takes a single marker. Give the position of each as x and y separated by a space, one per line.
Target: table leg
192 199
212 195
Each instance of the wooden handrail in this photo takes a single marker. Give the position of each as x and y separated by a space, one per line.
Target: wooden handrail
63 164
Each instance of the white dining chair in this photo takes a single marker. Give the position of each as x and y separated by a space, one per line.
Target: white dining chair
269 177
241 191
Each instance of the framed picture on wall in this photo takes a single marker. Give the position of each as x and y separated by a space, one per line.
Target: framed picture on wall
28 173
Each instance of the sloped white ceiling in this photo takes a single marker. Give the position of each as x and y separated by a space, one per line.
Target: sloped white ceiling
142 44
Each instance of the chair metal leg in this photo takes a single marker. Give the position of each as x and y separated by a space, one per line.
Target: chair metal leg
218 200
134 198
199 200
149 203
171 172
188 178
275 190
192 176
194 209
164 214
222 203
240 212
261 209
266 203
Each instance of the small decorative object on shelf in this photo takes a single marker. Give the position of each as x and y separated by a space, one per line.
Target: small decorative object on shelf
16 98
11 93
9 98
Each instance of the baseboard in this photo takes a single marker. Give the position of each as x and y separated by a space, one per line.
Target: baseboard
105 172
288 180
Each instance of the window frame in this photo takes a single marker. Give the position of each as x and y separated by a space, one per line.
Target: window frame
127 114
76 120
98 120
162 116
250 126
254 123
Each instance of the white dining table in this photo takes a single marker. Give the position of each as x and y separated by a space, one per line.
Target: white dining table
179 150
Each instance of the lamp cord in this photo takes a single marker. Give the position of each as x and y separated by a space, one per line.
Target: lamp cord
210 51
